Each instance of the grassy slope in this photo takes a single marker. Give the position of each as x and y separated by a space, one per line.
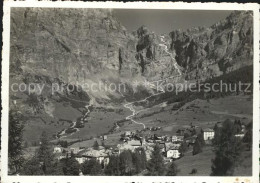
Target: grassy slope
199 112
202 162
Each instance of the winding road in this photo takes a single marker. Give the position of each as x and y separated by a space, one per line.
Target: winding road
62 134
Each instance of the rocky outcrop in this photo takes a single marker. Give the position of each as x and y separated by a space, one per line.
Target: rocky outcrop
80 46
71 44
221 48
153 56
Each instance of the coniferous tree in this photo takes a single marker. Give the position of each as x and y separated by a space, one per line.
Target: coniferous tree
193 131
201 139
155 165
113 166
143 158
248 138
15 139
91 167
197 147
96 145
126 163
237 126
227 151
172 170
32 167
103 144
35 103
70 166
136 162
57 168
217 135
139 160
183 147
46 156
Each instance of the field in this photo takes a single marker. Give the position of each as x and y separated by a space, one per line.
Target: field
100 122
202 162
198 112
111 141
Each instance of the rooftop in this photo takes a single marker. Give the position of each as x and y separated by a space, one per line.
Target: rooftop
208 130
134 142
92 153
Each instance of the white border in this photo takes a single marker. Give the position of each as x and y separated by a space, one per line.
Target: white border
130 5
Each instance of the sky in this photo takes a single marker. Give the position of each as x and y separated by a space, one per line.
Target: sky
164 21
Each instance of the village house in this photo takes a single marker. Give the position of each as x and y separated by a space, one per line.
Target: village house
74 150
104 137
88 154
208 134
131 145
60 156
124 147
172 150
115 151
181 131
127 133
191 140
177 138
173 153
240 135
57 149
135 143
168 139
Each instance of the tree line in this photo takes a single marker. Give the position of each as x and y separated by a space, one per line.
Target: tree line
228 147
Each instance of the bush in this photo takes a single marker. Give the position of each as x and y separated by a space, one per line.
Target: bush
197 148
172 170
193 171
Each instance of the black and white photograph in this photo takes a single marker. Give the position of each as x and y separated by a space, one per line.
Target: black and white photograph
131 92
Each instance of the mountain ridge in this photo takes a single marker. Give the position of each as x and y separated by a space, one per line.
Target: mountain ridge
88 46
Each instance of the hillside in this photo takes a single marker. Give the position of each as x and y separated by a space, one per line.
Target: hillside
75 47
77 44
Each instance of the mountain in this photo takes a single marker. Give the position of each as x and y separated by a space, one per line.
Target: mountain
224 47
75 44
79 47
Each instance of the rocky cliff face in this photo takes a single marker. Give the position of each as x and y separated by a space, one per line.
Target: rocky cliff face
71 44
79 46
221 48
154 56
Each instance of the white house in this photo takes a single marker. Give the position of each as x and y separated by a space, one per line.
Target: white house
91 153
173 153
208 134
127 133
57 149
240 135
135 143
105 137
172 150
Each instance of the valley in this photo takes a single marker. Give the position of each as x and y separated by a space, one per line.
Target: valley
122 90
